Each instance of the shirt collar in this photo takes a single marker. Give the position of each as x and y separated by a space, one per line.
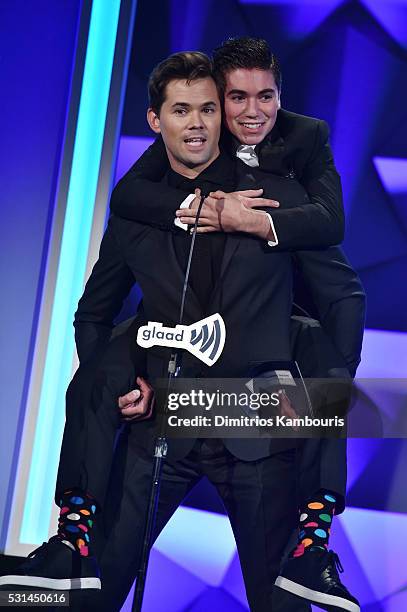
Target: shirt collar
219 175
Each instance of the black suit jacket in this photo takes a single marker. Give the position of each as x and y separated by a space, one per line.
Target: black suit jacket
253 295
325 284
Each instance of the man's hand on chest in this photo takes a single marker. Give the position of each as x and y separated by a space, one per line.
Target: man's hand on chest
231 212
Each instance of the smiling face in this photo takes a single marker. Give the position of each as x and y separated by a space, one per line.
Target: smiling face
251 104
189 122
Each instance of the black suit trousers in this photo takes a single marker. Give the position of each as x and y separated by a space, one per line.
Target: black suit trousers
259 497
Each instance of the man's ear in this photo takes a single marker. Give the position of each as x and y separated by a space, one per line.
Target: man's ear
153 121
279 101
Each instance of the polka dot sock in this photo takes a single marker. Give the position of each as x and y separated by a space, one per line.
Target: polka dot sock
315 523
76 519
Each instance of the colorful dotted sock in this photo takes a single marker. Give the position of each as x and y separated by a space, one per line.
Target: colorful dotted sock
76 519
315 522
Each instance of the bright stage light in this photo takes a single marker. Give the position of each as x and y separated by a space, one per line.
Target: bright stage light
71 267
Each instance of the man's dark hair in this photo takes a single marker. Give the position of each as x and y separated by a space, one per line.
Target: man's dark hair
188 65
244 52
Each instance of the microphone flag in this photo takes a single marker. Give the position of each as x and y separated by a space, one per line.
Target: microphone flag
204 339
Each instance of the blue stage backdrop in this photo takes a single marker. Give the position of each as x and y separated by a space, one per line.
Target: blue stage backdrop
37 46
342 61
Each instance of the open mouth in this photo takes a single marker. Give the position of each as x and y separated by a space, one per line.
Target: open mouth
252 126
195 141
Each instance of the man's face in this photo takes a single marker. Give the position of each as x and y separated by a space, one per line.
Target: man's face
251 104
189 123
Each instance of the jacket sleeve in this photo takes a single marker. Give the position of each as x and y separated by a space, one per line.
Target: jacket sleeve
141 196
339 299
107 287
320 223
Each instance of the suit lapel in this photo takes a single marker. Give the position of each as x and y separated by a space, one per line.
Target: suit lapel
192 305
231 245
271 154
278 163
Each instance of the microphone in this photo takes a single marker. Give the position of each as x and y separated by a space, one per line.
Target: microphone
191 251
161 444
174 364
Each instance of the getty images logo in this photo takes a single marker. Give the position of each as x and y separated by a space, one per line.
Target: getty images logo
205 339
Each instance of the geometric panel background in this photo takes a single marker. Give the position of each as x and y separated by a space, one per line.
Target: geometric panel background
346 63
342 61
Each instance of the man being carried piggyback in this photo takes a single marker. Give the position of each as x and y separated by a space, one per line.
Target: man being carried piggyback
267 142
248 281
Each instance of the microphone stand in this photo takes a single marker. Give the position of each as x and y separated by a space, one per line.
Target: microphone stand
161 446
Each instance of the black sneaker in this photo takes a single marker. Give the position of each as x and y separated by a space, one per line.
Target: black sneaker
55 566
314 577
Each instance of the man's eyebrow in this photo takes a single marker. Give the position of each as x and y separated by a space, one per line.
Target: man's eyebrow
181 104
186 104
267 90
236 91
241 92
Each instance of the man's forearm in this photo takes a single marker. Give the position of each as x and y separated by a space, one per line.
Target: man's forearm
90 339
106 288
142 196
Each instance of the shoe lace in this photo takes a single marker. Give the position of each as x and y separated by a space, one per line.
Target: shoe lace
43 548
334 565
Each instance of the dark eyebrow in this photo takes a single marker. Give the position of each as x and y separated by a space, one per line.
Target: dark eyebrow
236 91
244 93
187 105
268 90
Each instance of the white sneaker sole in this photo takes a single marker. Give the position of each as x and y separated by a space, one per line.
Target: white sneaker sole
316 596
64 584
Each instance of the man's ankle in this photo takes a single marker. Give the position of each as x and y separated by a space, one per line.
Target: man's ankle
76 519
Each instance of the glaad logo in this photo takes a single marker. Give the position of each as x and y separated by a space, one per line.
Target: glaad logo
204 339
